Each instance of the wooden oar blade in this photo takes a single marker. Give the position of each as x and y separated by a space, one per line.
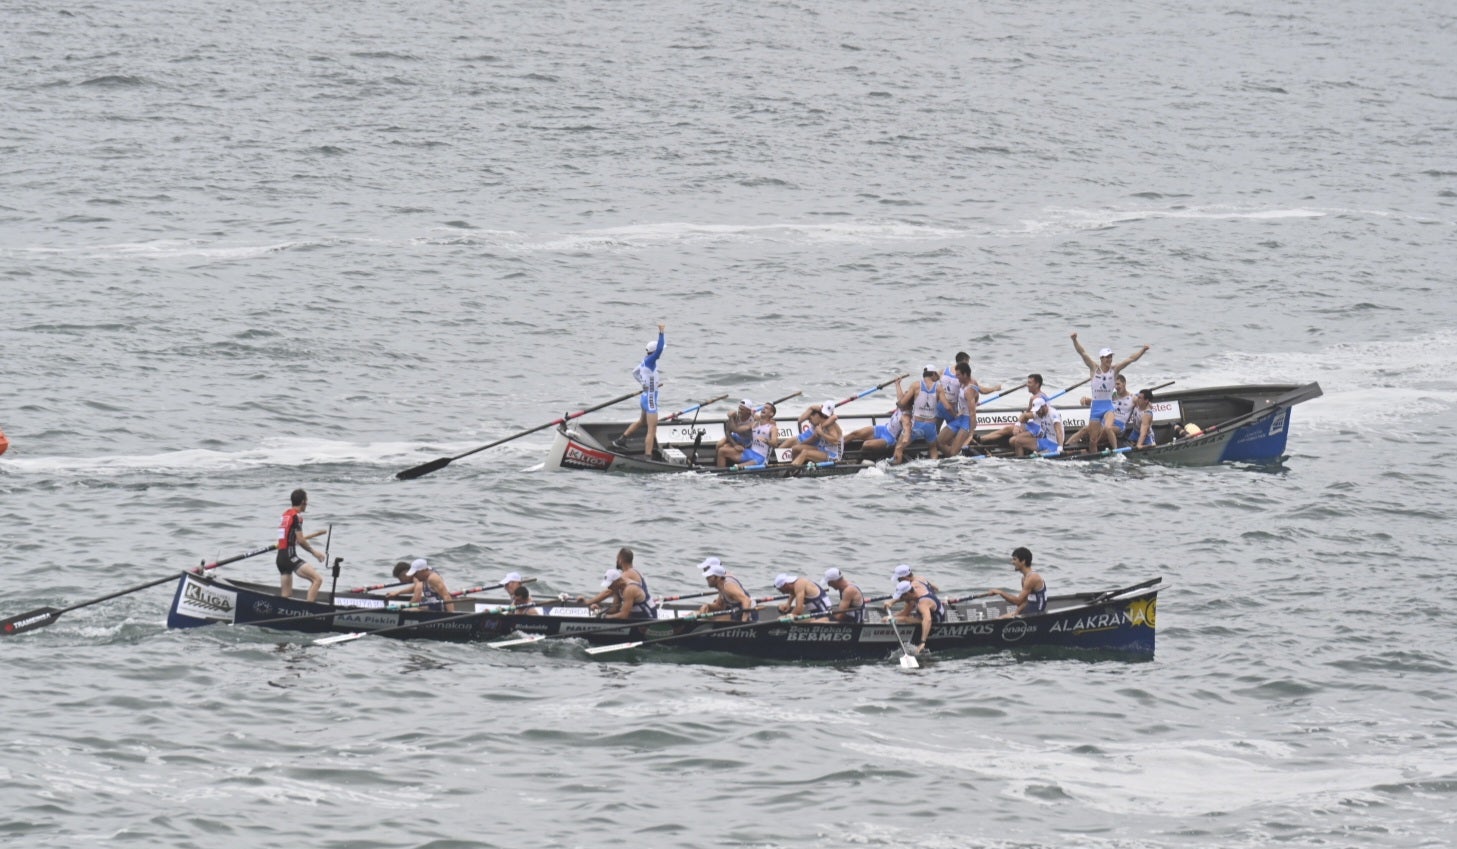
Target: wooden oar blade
614 647
29 621
340 638
501 644
423 470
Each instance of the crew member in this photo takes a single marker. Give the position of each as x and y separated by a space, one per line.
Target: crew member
805 596
647 376
1103 376
428 589
1032 600
290 539
852 601
733 600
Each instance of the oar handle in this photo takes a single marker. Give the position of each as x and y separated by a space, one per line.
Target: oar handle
795 394
857 396
697 406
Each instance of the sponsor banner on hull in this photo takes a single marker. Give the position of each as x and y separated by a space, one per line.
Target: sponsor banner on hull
579 456
200 601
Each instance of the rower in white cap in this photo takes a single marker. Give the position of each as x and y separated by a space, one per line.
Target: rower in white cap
646 374
427 587
852 601
1103 375
805 596
733 600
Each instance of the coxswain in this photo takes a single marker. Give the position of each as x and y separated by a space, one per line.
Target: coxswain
805 596
427 588
852 601
290 539
647 376
1102 381
733 600
1032 600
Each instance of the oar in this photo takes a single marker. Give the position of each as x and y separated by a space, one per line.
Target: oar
494 611
536 638
43 616
697 616
908 660
441 462
795 394
390 607
685 411
991 398
872 390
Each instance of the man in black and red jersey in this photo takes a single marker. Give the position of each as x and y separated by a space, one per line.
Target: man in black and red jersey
290 540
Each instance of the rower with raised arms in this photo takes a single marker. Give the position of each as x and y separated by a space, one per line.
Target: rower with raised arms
647 375
1103 377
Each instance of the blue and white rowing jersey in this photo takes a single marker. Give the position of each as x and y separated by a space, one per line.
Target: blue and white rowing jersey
648 377
1046 423
1122 409
1102 385
924 407
952 384
820 603
759 438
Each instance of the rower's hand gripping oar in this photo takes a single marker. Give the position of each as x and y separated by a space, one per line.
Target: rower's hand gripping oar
441 462
686 410
762 623
626 623
388 607
43 616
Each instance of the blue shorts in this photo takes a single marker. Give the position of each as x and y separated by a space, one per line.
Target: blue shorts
959 423
750 456
943 412
883 432
1099 410
1033 428
924 430
1048 446
649 402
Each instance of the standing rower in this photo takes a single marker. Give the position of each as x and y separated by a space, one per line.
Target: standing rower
290 539
647 376
1103 376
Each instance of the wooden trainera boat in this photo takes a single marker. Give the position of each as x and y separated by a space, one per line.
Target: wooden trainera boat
1117 621
1240 424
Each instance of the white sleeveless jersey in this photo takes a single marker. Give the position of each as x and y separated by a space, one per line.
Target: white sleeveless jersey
924 406
1103 384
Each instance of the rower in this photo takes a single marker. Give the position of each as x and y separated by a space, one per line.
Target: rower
852 601
629 573
737 427
629 600
1034 390
1041 433
824 441
1032 600
763 438
894 434
805 596
962 423
926 609
924 398
733 600
521 600
511 582
428 589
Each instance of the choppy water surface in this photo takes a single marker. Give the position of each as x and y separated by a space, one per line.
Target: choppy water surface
248 248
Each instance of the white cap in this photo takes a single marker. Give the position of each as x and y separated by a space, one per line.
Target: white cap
828 408
510 577
715 571
747 404
902 572
1038 402
1106 352
903 587
930 367
709 563
833 574
610 575
418 566
783 578
651 346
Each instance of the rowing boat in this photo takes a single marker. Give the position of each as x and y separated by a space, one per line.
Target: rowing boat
1236 424
1117 621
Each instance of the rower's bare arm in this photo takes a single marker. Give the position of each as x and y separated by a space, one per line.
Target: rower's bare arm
1078 346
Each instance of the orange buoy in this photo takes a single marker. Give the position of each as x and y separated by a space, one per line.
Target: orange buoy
4 443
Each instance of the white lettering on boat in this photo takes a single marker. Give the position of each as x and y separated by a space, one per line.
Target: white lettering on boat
200 601
820 635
